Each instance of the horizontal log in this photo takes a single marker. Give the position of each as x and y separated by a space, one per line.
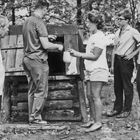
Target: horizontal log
21 97
60 94
52 29
49 105
22 87
52 95
60 104
60 85
61 115
57 116
55 85
22 106
17 73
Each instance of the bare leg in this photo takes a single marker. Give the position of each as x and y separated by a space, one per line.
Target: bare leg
91 102
96 88
91 105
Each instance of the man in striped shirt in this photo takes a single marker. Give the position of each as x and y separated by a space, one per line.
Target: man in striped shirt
126 39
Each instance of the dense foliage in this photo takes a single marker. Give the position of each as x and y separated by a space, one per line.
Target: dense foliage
66 11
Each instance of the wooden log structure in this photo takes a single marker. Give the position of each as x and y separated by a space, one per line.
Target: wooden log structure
65 100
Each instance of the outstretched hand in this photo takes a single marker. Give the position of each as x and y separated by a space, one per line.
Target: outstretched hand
60 47
74 53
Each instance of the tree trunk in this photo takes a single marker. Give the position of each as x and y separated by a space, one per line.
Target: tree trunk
13 16
79 12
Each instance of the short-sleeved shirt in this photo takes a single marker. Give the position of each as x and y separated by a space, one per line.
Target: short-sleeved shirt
33 28
96 40
125 42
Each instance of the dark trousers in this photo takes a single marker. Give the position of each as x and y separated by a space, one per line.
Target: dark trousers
138 80
123 71
37 74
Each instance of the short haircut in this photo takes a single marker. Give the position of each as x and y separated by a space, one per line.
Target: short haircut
97 19
41 4
126 14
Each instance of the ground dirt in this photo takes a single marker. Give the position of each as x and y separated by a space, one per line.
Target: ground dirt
113 129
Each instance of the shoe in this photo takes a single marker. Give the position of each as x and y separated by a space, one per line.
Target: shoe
94 127
124 114
113 113
38 122
88 124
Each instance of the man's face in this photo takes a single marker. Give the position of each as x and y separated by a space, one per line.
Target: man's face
121 21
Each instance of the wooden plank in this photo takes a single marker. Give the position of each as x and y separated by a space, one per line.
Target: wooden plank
59 104
4 57
22 87
61 115
81 61
52 29
75 45
53 95
21 97
62 29
67 45
22 106
15 30
61 77
17 73
60 94
82 101
5 42
19 59
55 85
6 104
12 41
10 63
20 40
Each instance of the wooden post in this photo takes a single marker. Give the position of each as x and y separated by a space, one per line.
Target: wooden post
79 13
82 101
6 101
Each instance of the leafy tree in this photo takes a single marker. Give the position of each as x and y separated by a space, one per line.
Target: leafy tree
73 11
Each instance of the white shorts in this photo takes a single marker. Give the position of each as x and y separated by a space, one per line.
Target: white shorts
97 75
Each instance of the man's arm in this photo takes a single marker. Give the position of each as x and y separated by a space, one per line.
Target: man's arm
130 56
50 46
136 36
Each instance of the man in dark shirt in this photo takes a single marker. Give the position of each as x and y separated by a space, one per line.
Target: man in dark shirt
36 44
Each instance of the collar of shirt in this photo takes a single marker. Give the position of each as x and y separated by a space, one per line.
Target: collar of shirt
127 28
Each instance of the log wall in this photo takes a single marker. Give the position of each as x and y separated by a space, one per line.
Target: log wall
62 103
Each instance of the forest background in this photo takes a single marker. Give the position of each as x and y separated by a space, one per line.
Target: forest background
71 11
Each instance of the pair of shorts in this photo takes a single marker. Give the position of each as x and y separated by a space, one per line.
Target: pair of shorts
101 75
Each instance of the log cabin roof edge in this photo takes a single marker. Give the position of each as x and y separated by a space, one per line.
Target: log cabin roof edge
52 29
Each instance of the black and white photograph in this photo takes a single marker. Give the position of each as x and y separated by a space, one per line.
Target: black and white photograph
69 69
